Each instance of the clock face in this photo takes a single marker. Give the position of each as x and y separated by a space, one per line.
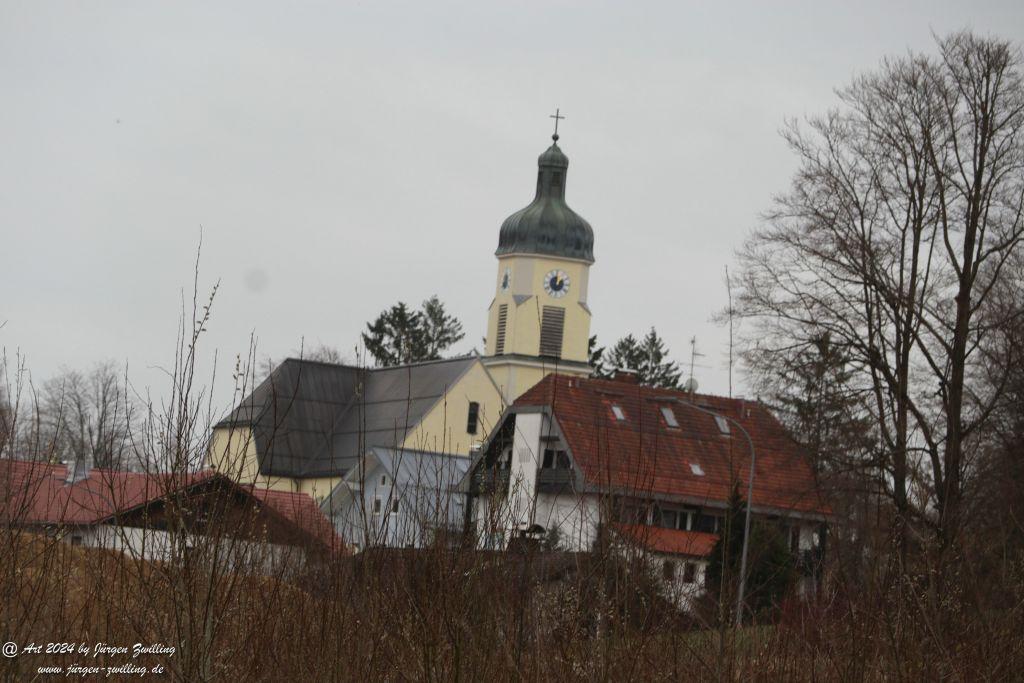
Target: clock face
556 284
506 279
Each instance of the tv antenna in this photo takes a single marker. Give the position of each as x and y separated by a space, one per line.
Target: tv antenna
691 383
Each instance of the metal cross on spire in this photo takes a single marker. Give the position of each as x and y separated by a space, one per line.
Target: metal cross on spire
557 117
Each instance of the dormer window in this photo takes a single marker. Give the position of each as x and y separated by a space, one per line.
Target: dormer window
670 417
723 424
617 411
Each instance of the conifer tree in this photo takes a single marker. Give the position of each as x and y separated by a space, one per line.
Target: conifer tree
771 567
648 357
400 335
439 330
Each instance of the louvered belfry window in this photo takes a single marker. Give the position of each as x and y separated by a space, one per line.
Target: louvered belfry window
499 344
551 326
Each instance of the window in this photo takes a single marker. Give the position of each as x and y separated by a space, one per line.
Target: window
668 570
474 414
383 480
689 572
394 506
551 328
631 513
670 417
707 524
499 342
76 540
617 411
696 469
554 458
376 506
723 424
669 519
686 521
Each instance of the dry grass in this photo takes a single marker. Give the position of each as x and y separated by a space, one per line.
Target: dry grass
461 615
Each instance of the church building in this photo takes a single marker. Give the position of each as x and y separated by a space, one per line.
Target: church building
309 424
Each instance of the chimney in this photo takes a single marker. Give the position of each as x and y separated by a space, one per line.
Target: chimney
78 470
626 376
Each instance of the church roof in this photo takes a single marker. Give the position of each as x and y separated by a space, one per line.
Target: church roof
312 419
548 226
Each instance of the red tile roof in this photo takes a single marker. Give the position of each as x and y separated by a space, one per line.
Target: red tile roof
301 510
669 541
35 493
643 455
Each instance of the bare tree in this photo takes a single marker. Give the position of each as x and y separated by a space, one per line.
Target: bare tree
88 416
905 207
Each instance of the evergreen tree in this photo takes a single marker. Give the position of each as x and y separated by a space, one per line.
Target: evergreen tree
440 330
595 356
400 335
648 357
820 405
771 567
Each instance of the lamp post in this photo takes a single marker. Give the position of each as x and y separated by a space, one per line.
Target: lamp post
750 494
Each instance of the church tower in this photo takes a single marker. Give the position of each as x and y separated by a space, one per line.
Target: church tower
539 321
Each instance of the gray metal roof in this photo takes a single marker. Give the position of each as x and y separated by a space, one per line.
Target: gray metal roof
424 469
313 419
548 226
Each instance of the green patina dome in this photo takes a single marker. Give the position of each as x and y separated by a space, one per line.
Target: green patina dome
548 226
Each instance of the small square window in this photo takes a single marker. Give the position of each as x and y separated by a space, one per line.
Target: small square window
617 411
76 540
723 424
670 417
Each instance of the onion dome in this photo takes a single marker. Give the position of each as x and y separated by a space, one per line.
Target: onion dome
548 226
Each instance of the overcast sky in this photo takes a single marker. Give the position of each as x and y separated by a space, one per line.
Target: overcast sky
338 157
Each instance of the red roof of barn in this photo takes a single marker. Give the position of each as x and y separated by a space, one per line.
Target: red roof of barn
670 541
644 455
36 493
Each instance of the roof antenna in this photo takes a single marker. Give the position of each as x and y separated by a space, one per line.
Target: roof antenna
557 117
691 383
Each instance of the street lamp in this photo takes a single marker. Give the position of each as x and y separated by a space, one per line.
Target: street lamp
750 494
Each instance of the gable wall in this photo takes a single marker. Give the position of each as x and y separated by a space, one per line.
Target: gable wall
443 428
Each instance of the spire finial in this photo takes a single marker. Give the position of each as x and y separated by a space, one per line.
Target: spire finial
557 117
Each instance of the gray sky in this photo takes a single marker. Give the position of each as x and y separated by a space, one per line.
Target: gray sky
340 157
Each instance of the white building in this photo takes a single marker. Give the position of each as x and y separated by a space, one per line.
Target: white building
399 499
577 460
163 516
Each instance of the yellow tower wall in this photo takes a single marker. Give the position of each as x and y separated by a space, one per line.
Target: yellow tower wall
522 333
